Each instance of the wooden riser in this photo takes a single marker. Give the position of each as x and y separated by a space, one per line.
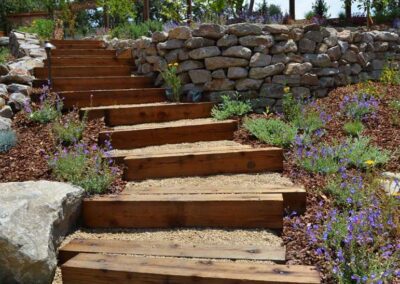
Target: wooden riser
153 136
175 211
100 83
83 52
171 249
42 73
89 61
121 269
202 164
130 115
77 42
78 46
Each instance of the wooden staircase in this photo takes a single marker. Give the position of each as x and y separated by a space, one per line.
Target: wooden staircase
154 139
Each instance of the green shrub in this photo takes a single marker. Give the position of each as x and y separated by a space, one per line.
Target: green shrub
353 128
70 132
359 153
272 131
390 75
134 31
322 159
48 111
292 108
42 27
309 121
8 139
230 108
4 55
395 112
84 167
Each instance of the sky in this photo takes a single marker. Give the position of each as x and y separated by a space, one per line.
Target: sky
303 6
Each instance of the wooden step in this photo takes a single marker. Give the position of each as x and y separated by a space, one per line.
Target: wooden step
294 197
83 52
96 98
171 249
180 210
100 83
229 161
186 131
156 112
98 268
112 71
76 61
77 41
78 46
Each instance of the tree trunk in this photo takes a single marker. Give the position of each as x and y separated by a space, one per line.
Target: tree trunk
348 9
189 11
292 9
146 10
251 7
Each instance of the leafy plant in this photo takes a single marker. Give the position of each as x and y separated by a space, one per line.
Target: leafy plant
309 121
4 55
353 128
274 132
134 31
359 106
390 75
230 107
70 132
42 27
173 81
320 9
8 139
371 89
292 107
395 114
49 110
85 167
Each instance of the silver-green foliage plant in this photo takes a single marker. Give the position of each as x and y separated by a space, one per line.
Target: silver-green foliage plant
71 131
8 139
353 128
274 132
48 111
231 107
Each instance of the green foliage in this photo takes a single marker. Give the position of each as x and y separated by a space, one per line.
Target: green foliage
173 81
394 106
84 167
49 111
70 132
353 128
320 8
371 89
230 107
42 27
274 132
134 31
122 9
4 55
8 139
390 75
309 15
292 108
321 159
309 121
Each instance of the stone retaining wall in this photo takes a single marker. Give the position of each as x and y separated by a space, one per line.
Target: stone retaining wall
259 60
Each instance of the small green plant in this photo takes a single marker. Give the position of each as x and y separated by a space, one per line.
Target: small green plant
171 78
274 132
395 114
230 107
134 31
42 27
70 132
359 106
390 75
49 110
371 89
85 167
292 108
4 55
309 121
8 139
353 128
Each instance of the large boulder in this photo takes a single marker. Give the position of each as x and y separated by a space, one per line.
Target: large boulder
34 218
244 29
204 52
214 63
5 124
255 41
262 72
18 76
213 31
238 51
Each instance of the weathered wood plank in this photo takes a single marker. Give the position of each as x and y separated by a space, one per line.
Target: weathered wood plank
112 71
200 164
153 136
173 249
172 211
83 52
161 112
98 268
74 61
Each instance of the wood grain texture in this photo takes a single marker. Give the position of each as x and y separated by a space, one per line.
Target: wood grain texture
173 249
130 115
74 61
100 83
172 211
96 98
111 71
97 268
201 164
82 52
153 136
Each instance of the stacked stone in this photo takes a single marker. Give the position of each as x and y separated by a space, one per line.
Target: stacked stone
259 60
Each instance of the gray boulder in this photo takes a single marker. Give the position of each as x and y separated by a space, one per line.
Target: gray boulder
18 88
19 76
4 69
171 44
197 42
244 29
189 65
213 31
260 60
255 41
238 51
204 52
219 85
307 45
5 124
248 84
213 63
262 72
159 36
276 29
6 111
227 40
18 101
237 72
200 76
298 68
34 218
284 47
180 33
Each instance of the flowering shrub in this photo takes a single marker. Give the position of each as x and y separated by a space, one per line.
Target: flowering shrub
48 111
173 81
395 115
89 168
353 128
274 132
359 106
8 139
70 132
390 75
230 107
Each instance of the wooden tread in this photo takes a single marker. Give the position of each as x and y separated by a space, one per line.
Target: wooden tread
294 197
77 41
111 71
140 167
98 268
130 138
98 98
100 83
76 61
155 112
192 210
83 52
171 249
